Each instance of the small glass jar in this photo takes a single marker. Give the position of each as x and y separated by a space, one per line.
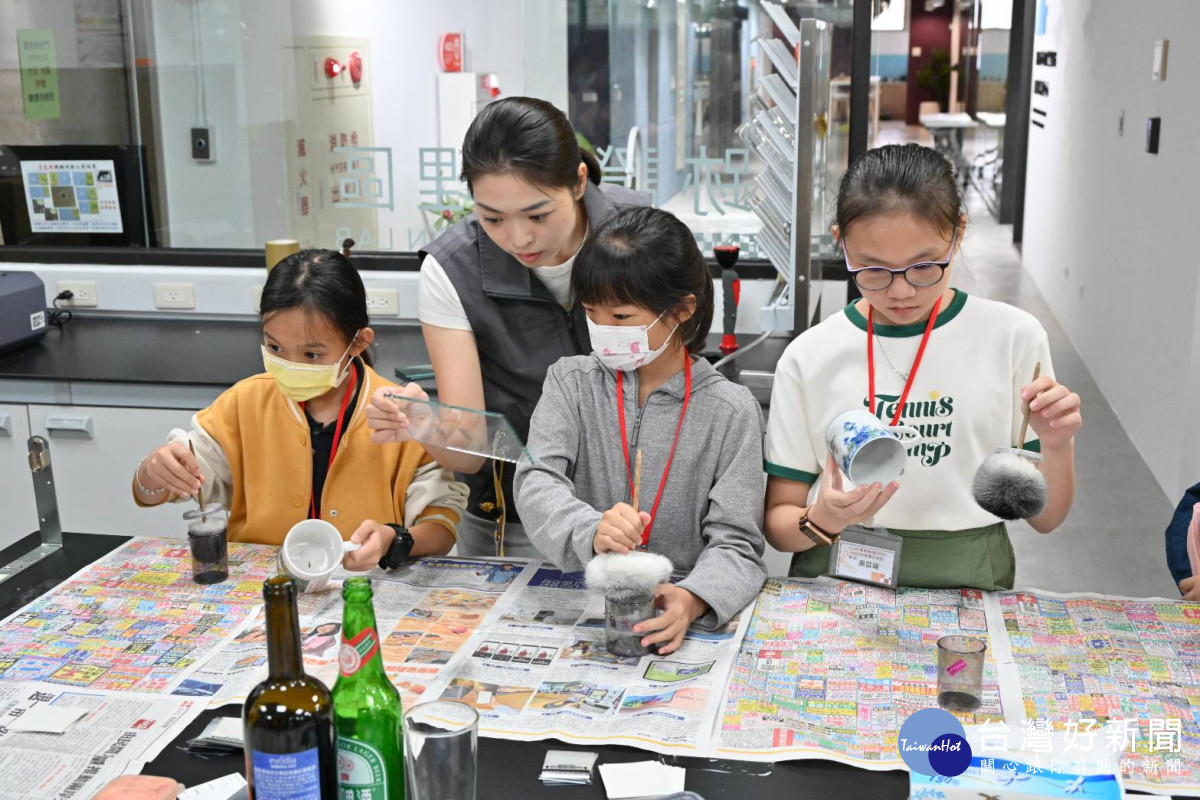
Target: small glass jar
621 613
206 539
960 673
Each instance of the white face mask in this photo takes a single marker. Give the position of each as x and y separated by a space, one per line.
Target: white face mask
626 347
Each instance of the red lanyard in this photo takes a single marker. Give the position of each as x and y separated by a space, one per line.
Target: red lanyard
337 438
687 396
912 376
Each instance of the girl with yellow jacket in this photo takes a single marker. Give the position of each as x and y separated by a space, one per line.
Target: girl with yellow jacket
293 443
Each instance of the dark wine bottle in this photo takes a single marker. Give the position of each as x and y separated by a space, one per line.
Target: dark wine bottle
290 742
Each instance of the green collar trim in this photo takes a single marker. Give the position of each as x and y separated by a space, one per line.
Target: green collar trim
916 328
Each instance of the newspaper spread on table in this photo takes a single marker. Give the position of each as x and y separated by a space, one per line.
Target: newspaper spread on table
830 669
540 670
117 733
522 643
1106 678
424 613
821 668
133 621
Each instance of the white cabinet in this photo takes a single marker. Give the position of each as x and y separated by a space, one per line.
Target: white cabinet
94 450
18 511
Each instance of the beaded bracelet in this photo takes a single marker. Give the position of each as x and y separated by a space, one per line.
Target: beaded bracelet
138 480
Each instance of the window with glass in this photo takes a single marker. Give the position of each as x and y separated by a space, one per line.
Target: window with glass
225 124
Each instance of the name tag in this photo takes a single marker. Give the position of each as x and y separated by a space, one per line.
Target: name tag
869 555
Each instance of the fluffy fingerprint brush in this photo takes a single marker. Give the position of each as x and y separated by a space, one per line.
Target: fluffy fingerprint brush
626 577
1008 484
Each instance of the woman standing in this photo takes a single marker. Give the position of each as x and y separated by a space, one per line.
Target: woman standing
495 305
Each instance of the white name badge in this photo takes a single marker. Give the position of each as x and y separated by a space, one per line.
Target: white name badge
869 555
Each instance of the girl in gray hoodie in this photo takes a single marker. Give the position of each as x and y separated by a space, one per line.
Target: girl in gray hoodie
648 296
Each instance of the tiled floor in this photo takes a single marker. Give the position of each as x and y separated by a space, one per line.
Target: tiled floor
1112 542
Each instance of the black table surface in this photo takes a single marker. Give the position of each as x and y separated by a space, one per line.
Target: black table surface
166 351
507 769
217 353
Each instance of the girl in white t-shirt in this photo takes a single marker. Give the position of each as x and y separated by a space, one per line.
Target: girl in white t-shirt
900 221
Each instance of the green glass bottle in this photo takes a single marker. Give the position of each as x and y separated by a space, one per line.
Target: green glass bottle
291 750
366 706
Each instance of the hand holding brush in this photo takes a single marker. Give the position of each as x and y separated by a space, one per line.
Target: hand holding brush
1008 484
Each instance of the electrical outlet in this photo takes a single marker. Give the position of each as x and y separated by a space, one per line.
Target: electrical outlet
383 302
84 294
257 298
174 295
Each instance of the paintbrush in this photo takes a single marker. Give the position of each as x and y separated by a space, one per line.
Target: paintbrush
1008 484
200 491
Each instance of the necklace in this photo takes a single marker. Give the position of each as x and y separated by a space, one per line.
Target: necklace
887 358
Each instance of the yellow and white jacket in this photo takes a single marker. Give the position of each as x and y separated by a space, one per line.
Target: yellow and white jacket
255 452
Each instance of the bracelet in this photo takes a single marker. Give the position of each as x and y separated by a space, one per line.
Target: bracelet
138 480
819 529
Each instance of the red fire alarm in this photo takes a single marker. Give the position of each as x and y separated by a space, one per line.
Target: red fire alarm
450 52
356 67
491 84
332 68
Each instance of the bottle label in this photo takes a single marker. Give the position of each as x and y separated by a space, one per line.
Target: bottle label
286 776
361 772
357 651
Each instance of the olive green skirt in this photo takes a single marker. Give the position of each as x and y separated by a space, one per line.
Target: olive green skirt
977 558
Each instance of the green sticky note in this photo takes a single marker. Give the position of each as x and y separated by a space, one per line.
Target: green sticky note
39 73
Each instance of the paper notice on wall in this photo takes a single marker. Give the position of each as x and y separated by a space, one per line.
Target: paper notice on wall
72 196
39 73
99 33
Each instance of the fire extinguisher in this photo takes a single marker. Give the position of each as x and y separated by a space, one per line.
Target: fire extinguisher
731 287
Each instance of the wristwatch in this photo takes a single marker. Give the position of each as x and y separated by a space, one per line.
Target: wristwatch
402 545
819 537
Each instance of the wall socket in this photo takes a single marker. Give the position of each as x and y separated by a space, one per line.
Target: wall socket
84 294
174 295
383 302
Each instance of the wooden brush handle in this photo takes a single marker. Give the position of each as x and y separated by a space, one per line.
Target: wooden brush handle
637 481
1037 371
200 491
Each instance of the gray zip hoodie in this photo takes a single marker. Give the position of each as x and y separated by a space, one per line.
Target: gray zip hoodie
709 521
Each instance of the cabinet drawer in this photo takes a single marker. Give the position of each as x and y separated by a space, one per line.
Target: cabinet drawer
94 451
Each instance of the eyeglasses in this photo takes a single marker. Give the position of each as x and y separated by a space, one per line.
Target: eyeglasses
920 275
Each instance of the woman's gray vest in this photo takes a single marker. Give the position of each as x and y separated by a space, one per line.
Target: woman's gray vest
520 330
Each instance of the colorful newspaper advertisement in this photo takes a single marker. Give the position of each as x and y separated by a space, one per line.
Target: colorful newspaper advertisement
830 669
1106 679
134 621
424 611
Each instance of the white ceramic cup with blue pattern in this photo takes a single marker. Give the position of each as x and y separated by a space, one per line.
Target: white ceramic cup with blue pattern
867 449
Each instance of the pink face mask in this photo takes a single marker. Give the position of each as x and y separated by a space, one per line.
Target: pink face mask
626 347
